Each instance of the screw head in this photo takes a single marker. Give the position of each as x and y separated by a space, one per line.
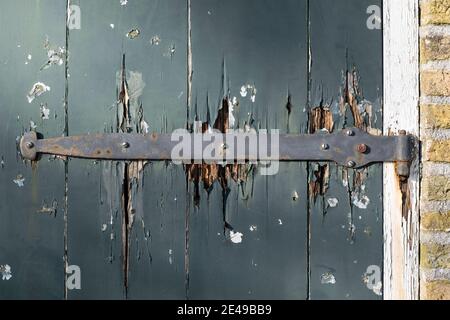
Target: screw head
351 164
350 133
125 145
325 146
30 145
362 148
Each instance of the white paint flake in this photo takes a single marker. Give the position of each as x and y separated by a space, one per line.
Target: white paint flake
236 237
360 201
38 89
155 40
123 2
328 278
248 88
45 112
170 256
5 270
55 55
333 202
253 228
295 196
280 222
104 227
19 181
133 34
112 25
145 127
170 51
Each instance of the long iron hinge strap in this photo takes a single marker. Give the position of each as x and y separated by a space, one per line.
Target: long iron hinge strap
351 148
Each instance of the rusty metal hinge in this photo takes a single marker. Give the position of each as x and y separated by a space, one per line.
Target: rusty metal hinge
351 148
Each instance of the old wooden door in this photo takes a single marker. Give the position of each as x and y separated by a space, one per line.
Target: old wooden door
161 231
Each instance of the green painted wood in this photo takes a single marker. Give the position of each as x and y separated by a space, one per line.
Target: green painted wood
345 240
180 244
260 44
31 241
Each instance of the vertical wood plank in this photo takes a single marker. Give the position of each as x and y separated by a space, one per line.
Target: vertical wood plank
345 205
401 112
31 215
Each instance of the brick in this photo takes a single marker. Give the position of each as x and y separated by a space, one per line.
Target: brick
435 116
435 221
434 48
435 83
434 256
435 12
439 151
436 188
435 290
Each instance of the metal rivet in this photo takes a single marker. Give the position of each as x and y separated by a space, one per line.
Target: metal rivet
224 146
350 133
402 132
351 164
30 145
325 146
362 148
126 145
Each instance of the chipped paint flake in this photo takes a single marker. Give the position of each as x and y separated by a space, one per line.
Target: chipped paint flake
280 222
123 2
104 227
247 89
133 34
33 125
327 278
360 201
333 202
112 26
55 55
236 237
145 127
155 40
19 181
37 90
170 51
5 270
45 112
49 210
295 196
253 228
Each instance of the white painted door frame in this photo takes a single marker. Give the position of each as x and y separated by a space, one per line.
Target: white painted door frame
401 111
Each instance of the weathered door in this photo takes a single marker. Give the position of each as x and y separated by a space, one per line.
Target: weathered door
160 231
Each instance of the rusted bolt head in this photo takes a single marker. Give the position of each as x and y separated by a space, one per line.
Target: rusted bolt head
362 148
350 133
30 145
325 146
351 164
126 145
402 132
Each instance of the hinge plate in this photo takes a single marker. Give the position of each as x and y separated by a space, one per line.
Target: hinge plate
350 147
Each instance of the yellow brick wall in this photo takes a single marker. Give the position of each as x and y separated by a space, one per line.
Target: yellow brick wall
435 134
